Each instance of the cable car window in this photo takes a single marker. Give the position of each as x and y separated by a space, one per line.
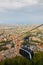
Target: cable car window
24 53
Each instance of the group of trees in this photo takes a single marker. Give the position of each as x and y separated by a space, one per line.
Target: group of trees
19 60
4 43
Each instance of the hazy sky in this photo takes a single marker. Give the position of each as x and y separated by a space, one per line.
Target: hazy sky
21 11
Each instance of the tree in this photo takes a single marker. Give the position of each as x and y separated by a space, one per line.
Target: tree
12 45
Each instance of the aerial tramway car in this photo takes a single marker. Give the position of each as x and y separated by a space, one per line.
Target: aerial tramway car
25 49
26 52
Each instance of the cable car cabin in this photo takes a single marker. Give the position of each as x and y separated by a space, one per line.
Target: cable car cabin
26 52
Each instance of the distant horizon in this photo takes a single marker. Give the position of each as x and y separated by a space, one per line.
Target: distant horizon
20 24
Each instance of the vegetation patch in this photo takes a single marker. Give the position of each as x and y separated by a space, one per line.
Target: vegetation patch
19 60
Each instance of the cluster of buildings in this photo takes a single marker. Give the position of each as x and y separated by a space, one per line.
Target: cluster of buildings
12 42
6 48
37 41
